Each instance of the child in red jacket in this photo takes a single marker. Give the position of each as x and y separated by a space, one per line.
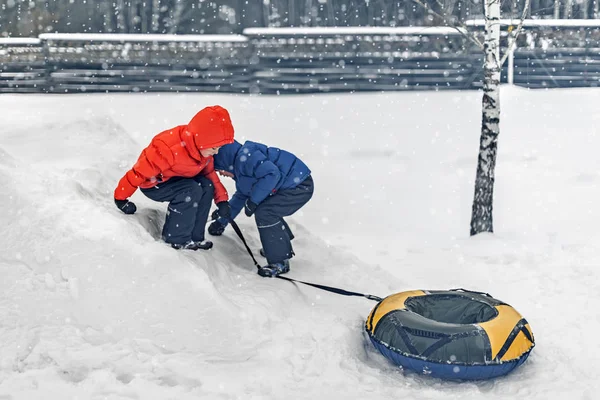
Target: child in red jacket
178 167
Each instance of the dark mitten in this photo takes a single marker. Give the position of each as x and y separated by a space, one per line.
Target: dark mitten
250 207
216 228
126 206
224 209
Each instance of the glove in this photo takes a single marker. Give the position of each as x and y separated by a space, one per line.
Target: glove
126 206
250 207
216 228
224 209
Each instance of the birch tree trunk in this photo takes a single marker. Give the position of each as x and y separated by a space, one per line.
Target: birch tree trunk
556 9
176 16
267 12
108 14
131 14
291 13
145 13
120 12
137 15
330 14
481 217
584 9
569 9
370 16
155 16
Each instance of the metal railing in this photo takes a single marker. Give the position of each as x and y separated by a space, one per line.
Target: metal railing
296 60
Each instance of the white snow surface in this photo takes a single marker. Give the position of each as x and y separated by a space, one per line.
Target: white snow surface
94 306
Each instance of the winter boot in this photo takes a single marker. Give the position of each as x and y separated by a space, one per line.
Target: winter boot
275 269
205 245
191 245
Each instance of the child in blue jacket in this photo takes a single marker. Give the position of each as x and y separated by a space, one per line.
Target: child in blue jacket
270 184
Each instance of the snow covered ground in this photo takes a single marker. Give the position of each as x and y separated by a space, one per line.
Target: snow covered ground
94 306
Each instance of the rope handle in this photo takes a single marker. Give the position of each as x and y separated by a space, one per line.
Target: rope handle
471 291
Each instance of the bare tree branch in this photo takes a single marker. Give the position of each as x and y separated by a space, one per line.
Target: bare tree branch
464 31
513 41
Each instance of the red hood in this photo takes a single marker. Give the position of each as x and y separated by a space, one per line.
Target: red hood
211 127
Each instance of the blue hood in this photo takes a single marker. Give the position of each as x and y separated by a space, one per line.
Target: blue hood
225 159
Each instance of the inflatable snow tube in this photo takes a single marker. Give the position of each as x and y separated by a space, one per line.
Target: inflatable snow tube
455 334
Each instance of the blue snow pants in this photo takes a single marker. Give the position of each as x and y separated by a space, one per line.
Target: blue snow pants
189 204
275 234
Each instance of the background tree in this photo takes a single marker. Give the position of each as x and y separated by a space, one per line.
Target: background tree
481 215
32 17
482 208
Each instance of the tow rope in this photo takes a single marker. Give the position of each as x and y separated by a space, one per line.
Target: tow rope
331 289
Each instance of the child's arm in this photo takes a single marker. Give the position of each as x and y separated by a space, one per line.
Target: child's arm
266 173
220 191
236 203
268 176
154 159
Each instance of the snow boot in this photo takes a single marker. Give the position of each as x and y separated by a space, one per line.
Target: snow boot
204 245
275 269
191 245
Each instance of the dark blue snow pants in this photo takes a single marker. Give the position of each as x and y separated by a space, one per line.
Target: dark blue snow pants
275 234
189 203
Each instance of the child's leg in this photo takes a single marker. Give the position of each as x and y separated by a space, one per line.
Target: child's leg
183 196
287 228
274 238
204 203
275 234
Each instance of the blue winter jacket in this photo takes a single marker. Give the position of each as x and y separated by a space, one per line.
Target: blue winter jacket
259 171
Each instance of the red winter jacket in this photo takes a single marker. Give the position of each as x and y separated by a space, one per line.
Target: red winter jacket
176 152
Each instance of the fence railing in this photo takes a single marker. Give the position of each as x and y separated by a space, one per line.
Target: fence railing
300 60
297 60
552 53
22 65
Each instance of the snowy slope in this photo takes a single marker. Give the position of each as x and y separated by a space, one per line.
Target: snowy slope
94 306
